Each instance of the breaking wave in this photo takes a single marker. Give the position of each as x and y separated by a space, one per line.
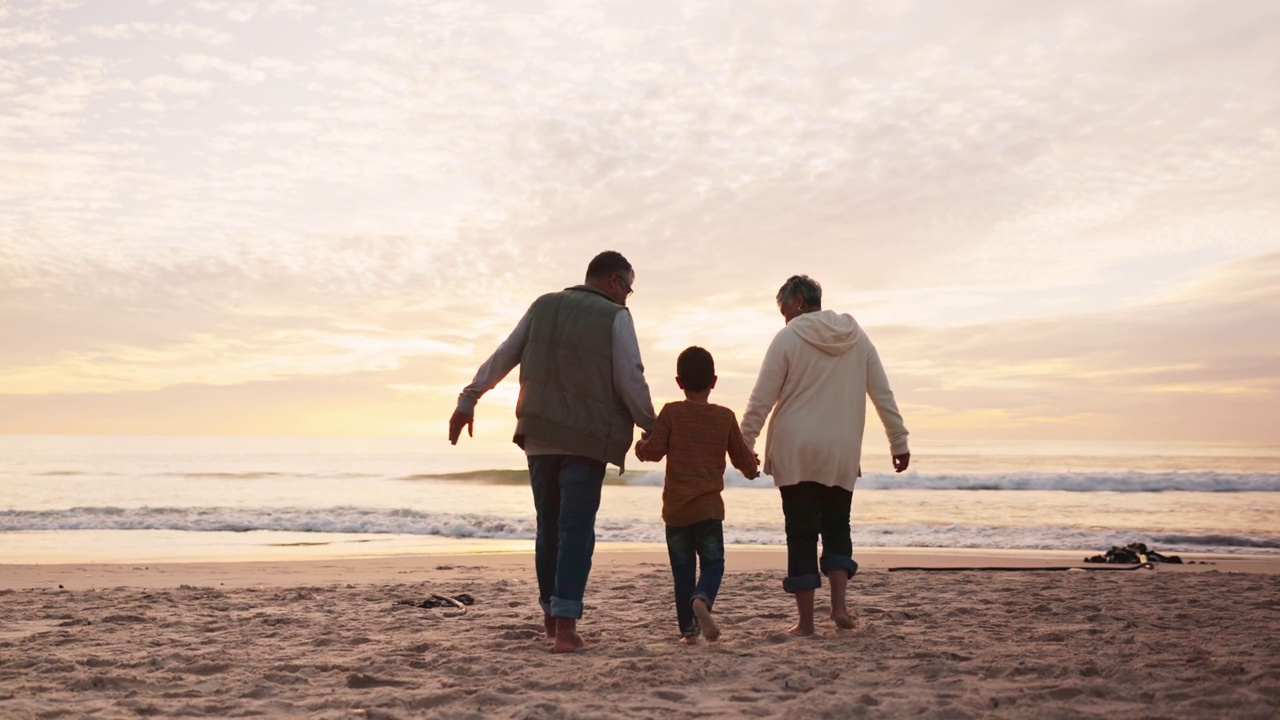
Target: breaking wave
350 520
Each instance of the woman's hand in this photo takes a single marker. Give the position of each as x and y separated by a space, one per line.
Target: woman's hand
900 462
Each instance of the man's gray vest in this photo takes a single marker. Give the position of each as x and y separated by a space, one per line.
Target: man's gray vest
566 377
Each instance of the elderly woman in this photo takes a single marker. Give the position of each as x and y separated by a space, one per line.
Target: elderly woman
815 378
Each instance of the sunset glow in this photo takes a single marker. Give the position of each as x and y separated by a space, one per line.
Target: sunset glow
1056 221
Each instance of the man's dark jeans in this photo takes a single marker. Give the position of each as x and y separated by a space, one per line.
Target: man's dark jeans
566 494
688 546
812 509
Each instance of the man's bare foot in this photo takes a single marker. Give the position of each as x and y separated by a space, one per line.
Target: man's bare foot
843 621
568 643
801 630
708 624
689 640
550 624
567 638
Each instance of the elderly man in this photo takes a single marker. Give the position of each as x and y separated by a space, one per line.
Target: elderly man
815 379
582 390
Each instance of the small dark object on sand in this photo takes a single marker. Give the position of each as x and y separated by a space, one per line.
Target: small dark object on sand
1133 553
459 601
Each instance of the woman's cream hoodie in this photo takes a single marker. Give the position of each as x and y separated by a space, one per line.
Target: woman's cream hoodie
815 378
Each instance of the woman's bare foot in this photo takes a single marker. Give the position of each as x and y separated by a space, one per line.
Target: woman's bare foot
567 638
801 630
840 615
708 624
804 611
689 640
549 623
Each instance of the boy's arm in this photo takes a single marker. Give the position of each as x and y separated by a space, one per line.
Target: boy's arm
739 454
654 448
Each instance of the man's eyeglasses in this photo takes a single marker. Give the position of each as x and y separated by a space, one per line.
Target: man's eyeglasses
626 286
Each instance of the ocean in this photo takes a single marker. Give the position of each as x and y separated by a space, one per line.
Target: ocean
174 498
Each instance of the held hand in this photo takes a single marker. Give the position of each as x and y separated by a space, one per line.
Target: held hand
456 423
900 462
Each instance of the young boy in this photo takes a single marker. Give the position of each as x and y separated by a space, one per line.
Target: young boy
694 435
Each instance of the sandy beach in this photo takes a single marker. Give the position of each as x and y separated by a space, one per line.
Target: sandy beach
334 639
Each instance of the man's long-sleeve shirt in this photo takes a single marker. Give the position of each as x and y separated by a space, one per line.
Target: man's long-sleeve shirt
628 376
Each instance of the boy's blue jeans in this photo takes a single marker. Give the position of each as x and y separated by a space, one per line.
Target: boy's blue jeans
688 546
566 495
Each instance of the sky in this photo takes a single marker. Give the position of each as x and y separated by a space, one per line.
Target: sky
1055 220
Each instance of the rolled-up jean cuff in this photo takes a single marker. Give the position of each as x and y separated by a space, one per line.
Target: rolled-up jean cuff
702 597
827 563
571 609
546 607
802 582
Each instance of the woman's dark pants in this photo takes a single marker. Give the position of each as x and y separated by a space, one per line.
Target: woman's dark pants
812 510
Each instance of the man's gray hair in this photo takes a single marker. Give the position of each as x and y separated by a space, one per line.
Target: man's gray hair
806 287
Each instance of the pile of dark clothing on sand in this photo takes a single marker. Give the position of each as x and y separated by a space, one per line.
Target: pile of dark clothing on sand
1133 553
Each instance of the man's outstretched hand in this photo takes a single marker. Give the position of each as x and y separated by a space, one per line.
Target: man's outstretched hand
900 462
456 423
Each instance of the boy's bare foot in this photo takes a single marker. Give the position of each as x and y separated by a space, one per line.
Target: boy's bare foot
708 624
843 621
800 630
550 624
567 638
689 640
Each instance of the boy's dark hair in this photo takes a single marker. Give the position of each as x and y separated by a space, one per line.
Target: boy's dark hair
606 264
695 367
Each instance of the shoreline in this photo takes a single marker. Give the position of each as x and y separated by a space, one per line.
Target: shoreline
418 567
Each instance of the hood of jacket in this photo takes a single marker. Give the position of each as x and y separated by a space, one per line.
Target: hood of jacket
831 332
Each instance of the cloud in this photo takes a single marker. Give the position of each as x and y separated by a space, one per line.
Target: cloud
1196 366
1008 193
138 30
1199 363
242 12
237 72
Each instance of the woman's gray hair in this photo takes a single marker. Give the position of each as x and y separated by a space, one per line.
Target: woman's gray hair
806 287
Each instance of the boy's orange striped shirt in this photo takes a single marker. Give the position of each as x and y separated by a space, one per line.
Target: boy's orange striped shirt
695 437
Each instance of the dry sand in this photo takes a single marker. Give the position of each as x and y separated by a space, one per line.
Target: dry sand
328 639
